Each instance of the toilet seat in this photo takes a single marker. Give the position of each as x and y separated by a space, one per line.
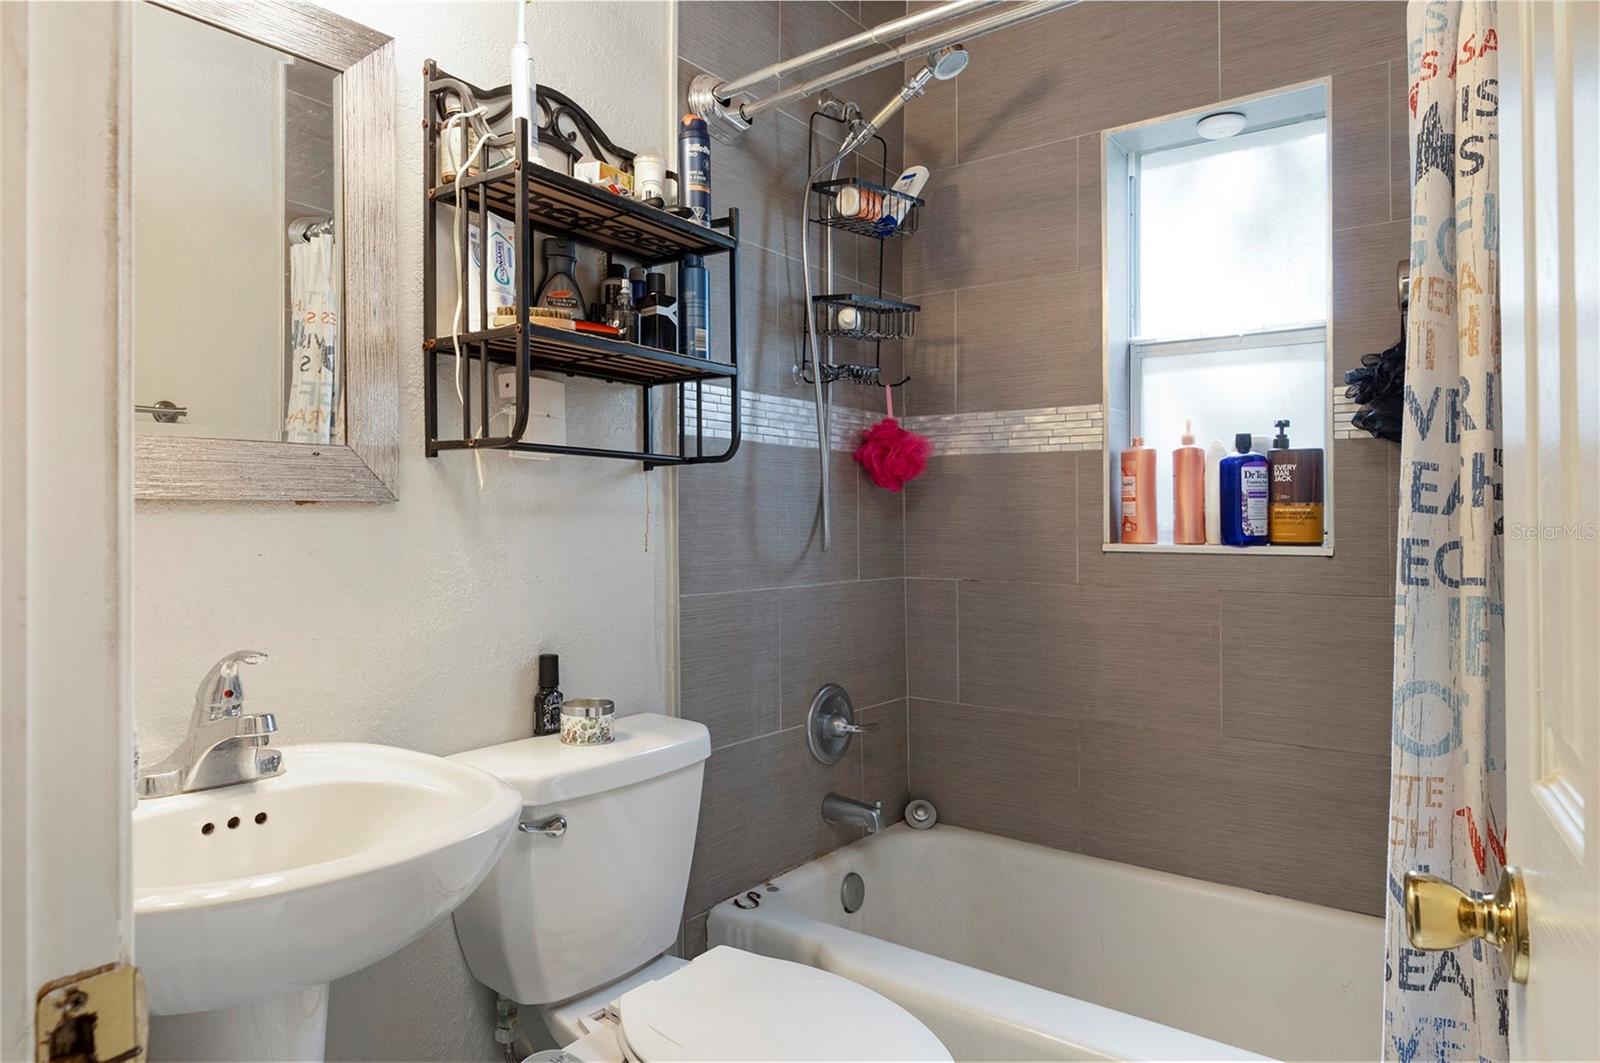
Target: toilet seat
728 1004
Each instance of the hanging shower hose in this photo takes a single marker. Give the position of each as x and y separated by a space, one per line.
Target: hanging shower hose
818 388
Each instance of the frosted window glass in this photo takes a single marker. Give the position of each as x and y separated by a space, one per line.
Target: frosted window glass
1233 234
1227 392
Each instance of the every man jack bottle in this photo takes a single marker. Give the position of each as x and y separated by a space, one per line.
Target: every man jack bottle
1294 509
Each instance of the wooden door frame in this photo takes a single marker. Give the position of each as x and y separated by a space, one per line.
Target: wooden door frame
66 509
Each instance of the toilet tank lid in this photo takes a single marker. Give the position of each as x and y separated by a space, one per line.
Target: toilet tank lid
647 745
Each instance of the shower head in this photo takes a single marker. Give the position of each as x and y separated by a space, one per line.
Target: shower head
942 65
946 63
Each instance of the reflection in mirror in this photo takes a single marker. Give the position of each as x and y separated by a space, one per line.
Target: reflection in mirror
236 269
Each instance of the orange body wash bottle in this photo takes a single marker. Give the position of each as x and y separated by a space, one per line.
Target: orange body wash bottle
1138 493
1188 490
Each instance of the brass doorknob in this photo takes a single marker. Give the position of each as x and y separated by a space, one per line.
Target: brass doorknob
1440 916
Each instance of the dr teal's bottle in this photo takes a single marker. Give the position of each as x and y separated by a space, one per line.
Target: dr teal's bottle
1243 495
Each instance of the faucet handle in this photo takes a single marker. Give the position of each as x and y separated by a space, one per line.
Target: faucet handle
221 693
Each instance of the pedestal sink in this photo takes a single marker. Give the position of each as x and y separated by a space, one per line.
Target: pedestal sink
250 899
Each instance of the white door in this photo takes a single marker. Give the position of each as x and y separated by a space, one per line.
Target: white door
1550 173
66 773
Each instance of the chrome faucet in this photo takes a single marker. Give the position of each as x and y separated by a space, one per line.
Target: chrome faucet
848 812
224 746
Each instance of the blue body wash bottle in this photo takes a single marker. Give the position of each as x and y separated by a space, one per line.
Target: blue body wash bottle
1243 495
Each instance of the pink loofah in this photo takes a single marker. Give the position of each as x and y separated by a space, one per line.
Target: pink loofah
893 455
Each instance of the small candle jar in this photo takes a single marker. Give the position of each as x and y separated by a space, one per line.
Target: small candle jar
586 721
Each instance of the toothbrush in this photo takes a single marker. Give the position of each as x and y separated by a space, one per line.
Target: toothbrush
524 92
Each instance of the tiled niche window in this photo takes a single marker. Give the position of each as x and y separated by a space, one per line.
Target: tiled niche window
1217 289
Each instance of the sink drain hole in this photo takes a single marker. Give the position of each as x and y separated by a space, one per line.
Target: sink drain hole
233 823
208 828
261 817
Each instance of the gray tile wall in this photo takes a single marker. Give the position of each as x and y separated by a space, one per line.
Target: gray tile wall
765 615
1222 717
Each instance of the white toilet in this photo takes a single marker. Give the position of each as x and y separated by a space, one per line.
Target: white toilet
589 894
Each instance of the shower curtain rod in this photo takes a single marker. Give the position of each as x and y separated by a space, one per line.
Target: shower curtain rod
885 34
713 99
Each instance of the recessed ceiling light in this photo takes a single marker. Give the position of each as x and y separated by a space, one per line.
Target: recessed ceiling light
1220 125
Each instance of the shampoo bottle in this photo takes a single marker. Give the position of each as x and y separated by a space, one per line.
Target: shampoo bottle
1189 491
1214 455
1294 509
1138 493
1242 486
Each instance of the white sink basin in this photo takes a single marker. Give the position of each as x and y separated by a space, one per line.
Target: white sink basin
249 899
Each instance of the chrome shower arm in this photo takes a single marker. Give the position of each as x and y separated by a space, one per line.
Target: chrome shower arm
884 34
1011 15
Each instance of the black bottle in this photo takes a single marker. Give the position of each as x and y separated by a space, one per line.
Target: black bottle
547 702
658 315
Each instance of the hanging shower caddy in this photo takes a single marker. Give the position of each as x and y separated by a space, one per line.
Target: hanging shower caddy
541 201
874 318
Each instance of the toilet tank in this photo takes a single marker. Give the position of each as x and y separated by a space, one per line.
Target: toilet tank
560 916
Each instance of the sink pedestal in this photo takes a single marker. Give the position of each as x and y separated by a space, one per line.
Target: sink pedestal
292 1027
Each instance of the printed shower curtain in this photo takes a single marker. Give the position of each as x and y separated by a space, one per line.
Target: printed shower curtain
1447 793
313 412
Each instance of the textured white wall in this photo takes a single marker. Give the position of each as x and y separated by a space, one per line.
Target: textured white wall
417 623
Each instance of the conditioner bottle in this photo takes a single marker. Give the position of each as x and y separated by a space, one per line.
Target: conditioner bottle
1189 491
1138 493
1214 455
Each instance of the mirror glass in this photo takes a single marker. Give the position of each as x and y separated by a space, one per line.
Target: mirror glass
235 254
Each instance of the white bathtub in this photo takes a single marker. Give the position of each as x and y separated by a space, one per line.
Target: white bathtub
1014 951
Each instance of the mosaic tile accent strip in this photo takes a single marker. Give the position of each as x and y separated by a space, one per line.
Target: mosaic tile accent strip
1343 410
1014 431
790 422
776 419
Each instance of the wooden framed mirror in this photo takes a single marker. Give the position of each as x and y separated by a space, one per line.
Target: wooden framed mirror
261 190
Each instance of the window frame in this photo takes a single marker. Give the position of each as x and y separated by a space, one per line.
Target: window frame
1125 352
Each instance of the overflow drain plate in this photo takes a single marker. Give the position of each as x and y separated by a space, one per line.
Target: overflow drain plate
852 893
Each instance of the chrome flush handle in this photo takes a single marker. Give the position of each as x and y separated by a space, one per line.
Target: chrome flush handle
554 827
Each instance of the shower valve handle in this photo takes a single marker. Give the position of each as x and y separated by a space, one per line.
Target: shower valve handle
840 727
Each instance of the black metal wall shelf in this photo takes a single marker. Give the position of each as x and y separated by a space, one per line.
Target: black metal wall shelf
587 354
559 205
544 202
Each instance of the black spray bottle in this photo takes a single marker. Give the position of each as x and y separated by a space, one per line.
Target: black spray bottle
547 702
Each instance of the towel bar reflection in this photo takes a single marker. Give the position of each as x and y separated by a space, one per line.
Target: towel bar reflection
164 411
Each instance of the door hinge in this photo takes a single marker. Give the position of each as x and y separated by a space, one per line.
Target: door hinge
96 1016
